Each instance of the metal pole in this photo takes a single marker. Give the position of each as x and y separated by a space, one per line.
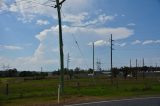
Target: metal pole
93 57
136 69
143 69
130 63
60 47
111 60
131 67
68 60
111 56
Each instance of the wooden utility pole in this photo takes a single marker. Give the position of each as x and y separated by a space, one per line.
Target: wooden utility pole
58 6
111 59
93 57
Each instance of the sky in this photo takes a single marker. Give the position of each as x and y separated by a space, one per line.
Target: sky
29 33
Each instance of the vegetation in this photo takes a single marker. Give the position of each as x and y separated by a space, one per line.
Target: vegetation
40 91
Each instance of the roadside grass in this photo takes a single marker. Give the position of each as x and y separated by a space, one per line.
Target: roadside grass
45 91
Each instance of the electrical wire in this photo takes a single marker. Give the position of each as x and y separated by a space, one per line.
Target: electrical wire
80 50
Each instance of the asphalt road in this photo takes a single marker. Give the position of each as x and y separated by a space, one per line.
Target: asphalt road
150 101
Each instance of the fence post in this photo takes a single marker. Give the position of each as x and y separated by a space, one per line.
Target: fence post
59 87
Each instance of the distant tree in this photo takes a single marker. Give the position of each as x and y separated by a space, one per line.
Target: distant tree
77 70
126 71
70 74
12 72
90 70
115 72
26 74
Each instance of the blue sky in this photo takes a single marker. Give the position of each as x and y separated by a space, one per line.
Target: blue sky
29 33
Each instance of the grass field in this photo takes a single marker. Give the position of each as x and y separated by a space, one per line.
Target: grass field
31 92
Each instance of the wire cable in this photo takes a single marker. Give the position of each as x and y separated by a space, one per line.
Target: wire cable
80 50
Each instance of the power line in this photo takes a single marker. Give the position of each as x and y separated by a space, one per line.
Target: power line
80 51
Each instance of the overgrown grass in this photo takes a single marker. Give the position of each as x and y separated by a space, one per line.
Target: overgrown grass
42 91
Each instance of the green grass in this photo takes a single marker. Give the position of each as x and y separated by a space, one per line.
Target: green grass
45 91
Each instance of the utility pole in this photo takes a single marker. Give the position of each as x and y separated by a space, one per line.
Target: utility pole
68 60
4 67
136 69
41 69
93 57
111 59
58 6
130 62
136 63
143 68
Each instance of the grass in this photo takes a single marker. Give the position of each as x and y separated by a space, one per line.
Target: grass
45 91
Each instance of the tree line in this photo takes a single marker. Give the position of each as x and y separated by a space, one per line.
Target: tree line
70 72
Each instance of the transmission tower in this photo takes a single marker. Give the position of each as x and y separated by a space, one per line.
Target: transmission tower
98 65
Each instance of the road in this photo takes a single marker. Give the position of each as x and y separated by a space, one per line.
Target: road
150 101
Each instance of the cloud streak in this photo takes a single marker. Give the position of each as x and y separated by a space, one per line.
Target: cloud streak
42 22
146 42
136 42
10 47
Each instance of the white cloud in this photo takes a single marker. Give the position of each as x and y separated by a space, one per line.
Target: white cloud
3 6
118 33
75 14
31 8
83 19
103 18
10 47
98 43
45 54
42 22
136 42
148 42
75 18
77 6
151 42
131 24
28 63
